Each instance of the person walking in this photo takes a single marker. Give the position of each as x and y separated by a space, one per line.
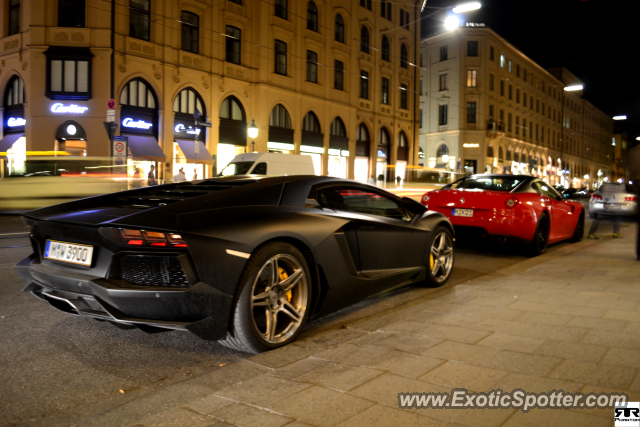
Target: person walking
151 177
180 176
195 175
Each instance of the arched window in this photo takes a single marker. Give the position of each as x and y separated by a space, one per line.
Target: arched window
187 101
385 48
337 128
280 117
489 150
516 156
523 158
310 123
14 95
403 56
231 109
364 39
500 153
138 93
312 16
362 133
443 150
383 137
402 140
339 28
509 154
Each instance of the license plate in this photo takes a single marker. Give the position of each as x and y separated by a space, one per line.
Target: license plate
462 212
608 206
68 252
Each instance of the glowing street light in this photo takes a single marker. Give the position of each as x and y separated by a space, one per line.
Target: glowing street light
451 22
619 117
466 7
573 88
253 134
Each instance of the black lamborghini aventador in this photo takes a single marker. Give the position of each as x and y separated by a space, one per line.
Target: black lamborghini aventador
245 260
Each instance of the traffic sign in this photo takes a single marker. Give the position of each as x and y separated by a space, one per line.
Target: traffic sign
119 150
111 104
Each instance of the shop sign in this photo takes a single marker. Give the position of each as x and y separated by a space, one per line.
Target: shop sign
136 124
60 108
180 128
16 122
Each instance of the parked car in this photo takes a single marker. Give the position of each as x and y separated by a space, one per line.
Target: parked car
613 199
516 208
245 260
271 164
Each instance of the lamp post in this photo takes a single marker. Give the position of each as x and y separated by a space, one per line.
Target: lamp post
572 88
253 134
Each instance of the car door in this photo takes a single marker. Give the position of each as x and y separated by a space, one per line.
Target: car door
560 211
387 241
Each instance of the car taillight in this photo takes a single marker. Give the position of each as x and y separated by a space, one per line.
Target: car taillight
425 198
511 202
595 197
151 238
630 199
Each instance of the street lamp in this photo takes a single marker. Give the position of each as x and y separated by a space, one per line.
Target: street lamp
619 117
253 134
573 88
451 22
466 7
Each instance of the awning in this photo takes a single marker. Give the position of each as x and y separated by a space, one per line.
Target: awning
188 149
145 147
7 142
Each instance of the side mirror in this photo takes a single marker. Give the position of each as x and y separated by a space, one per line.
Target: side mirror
413 206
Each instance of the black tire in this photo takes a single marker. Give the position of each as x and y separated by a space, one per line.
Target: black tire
578 232
540 237
245 333
440 265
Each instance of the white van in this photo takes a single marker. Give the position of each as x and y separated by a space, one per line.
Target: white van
269 164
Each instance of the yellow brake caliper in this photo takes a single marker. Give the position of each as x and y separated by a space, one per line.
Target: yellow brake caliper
283 276
431 261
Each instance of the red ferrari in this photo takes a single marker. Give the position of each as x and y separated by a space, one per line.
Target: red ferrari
515 208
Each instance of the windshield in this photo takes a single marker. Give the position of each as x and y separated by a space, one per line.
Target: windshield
236 168
490 183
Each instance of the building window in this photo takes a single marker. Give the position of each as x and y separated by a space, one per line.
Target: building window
524 99
471 112
281 8
501 87
510 92
364 84
444 53
233 44
472 76
310 123
385 9
444 85
403 56
443 115
517 70
281 58
339 28
190 31
509 122
421 118
491 82
500 154
15 92
524 128
501 116
517 96
524 74
472 48
188 101
138 93
403 96
537 105
517 125
312 16
364 39
510 66
491 112
385 91
531 103
338 78
405 17
385 48
69 73
366 4
312 67
280 117
501 61
71 13
139 19
491 53
14 17
489 150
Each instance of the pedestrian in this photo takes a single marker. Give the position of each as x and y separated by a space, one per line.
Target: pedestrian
372 180
180 176
195 175
151 177
607 192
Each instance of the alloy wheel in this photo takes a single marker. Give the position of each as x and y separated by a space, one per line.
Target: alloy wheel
441 257
279 298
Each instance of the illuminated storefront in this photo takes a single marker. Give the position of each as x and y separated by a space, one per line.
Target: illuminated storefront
402 158
363 151
13 143
312 141
233 131
338 150
280 131
382 154
186 135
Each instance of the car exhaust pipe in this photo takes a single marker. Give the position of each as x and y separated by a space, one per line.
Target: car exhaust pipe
61 304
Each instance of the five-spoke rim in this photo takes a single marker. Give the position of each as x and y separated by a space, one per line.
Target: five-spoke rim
279 298
441 257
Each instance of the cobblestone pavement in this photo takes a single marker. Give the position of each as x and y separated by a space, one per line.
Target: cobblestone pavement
569 321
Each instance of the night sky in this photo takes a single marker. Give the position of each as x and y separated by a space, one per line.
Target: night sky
596 40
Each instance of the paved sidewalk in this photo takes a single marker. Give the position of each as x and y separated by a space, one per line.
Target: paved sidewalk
569 321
